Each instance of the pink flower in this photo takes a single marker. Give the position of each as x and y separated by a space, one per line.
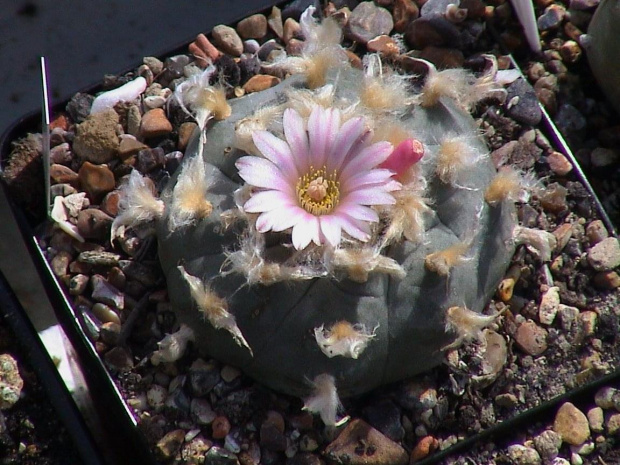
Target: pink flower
320 181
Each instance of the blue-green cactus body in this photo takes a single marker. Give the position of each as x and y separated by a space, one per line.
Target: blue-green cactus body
278 320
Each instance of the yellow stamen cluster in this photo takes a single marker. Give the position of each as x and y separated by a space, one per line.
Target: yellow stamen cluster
318 192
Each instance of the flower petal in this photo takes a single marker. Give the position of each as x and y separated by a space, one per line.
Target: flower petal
359 230
330 229
276 151
370 196
260 172
297 138
279 219
323 125
367 158
358 212
348 134
378 176
306 231
264 201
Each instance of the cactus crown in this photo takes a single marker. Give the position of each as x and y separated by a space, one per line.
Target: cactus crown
330 223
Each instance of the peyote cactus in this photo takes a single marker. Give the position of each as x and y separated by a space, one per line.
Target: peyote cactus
336 231
602 47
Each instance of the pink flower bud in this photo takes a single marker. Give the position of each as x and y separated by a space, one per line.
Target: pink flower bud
404 156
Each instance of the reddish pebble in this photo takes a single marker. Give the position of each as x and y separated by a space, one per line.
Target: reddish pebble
60 122
423 448
221 427
531 338
97 180
110 203
61 174
204 51
404 12
260 82
155 123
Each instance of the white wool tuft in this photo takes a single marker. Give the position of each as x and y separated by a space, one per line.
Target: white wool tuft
324 400
343 339
172 346
137 205
189 197
214 308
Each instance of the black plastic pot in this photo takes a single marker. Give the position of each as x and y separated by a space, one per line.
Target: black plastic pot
124 438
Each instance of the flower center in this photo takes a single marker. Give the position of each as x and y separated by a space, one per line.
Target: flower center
318 192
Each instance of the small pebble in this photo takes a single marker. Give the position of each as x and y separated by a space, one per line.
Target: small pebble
423 448
227 40
596 419
522 455
605 255
168 446
105 314
96 257
60 263
596 232
110 333
154 63
106 293
93 223
549 306
548 445
384 45
118 358
229 373
531 338
563 234
61 174
605 397
552 17
559 164
78 284
571 424
612 424
495 353
570 51
506 400
275 22
606 280
96 180
149 159
155 123
11 382
260 82
404 12
96 139
129 146
435 31
201 411
204 51
185 133
253 27
368 21
602 157
358 440
109 204
292 30
522 104
220 427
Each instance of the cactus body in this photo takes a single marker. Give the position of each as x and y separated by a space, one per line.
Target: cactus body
602 45
407 313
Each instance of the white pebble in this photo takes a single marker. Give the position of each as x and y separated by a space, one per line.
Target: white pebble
125 93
